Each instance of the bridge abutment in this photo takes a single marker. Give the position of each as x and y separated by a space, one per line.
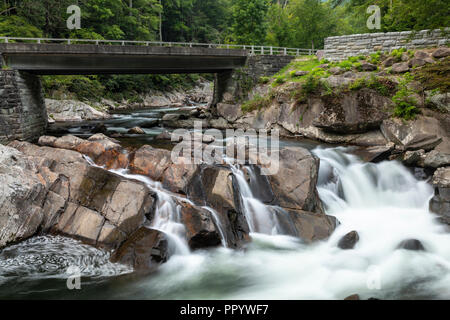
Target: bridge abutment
233 86
23 115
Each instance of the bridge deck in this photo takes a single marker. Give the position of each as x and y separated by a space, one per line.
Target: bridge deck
107 59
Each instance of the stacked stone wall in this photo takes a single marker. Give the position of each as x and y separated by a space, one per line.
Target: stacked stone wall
340 48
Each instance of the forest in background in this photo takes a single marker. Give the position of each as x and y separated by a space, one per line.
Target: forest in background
284 23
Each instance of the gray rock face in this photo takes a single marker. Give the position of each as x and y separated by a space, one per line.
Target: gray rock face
440 203
81 201
436 159
355 113
294 186
229 111
22 195
145 250
414 135
71 110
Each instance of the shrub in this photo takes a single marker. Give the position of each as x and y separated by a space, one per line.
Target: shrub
347 65
258 102
405 103
264 80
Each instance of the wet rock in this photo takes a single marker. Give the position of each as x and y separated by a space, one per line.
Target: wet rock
436 159
357 112
136 130
171 117
354 297
349 241
412 245
374 154
201 231
214 186
413 135
165 135
144 250
294 185
401 67
441 53
99 128
311 226
440 203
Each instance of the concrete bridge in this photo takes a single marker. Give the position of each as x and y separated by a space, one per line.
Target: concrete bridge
22 108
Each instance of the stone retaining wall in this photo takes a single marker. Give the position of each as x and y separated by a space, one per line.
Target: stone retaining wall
340 48
233 86
22 108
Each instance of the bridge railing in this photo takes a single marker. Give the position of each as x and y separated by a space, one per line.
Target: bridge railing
254 49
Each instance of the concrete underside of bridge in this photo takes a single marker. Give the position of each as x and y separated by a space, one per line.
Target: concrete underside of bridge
22 107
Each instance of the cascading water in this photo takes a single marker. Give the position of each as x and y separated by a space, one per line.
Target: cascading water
383 202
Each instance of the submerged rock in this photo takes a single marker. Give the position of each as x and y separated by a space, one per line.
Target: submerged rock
412 245
136 130
144 250
349 241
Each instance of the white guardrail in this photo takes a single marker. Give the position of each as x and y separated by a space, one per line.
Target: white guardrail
254 50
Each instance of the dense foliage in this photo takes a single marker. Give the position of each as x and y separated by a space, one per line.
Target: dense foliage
284 23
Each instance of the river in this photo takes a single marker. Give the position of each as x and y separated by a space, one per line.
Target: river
384 202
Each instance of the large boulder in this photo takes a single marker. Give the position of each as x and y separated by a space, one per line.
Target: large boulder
311 226
421 133
214 187
441 53
357 112
104 151
85 202
294 185
70 110
144 250
230 112
201 230
440 203
436 159
400 67
22 195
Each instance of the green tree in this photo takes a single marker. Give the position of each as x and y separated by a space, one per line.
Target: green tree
249 24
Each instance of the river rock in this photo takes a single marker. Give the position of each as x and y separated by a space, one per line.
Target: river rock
71 110
214 186
414 158
440 203
201 231
144 250
349 241
358 112
441 53
413 135
412 245
165 135
22 195
311 226
150 162
136 130
436 159
85 202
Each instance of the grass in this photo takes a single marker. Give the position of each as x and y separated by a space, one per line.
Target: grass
434 76
258 102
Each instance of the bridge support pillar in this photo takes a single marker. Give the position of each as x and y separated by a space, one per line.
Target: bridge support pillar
234 86
23 115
